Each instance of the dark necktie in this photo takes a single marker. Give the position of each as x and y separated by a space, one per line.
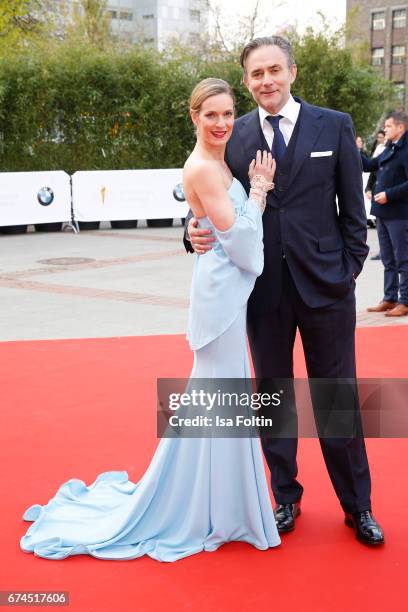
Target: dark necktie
278 144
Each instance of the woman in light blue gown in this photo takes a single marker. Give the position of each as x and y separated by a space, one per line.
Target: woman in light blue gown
197 493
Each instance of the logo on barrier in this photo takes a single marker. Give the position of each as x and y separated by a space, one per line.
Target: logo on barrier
45 196
178 193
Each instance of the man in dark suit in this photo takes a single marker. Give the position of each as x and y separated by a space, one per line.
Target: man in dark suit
313 253
390 206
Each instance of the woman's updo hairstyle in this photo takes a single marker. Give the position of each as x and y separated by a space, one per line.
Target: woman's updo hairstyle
207 88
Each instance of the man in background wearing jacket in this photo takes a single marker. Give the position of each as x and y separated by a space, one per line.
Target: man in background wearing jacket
390 206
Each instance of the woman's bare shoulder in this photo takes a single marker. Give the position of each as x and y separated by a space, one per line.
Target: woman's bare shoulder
200 168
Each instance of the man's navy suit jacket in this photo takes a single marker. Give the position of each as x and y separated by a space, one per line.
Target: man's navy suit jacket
323 240
392 177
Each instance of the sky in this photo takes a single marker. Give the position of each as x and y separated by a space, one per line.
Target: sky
281 13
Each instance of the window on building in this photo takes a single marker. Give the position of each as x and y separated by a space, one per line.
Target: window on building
399 18
126 16
150 16
378 20
398 54
377 56
400 91
148 40
113 14
194 15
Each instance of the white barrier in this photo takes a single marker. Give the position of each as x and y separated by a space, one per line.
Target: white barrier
34 197
101 195
115 195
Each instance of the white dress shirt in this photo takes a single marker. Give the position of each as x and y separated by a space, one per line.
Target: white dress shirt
289 112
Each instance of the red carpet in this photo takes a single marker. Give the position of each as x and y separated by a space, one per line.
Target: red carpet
76 408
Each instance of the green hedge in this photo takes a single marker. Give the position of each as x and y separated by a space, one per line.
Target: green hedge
79 108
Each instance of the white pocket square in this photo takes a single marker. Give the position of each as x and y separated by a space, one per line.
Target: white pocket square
321 153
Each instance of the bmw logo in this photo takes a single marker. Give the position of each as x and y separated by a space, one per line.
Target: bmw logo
45 196
178 193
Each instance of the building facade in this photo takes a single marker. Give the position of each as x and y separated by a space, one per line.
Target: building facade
383 24
151 22
158 21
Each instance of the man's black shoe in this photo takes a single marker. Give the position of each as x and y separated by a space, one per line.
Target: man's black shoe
375 257
366 527
285 515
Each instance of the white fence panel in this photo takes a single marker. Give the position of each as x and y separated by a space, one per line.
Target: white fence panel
34 197
115 195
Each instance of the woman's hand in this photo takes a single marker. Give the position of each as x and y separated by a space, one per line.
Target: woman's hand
264 165
261 172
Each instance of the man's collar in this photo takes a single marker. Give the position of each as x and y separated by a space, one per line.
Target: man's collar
289 111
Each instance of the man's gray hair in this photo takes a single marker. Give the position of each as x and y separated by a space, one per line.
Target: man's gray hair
265 41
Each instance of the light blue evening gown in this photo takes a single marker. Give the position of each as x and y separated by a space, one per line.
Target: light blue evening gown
197 493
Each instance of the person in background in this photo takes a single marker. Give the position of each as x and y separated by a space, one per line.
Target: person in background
390 206
379 144
376 150
360 143
378 147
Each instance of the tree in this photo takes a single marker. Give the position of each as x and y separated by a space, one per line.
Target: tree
329 75
19 20
91 22
73 104
332 75
229 33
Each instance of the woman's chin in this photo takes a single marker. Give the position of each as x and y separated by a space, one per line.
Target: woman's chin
214 141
